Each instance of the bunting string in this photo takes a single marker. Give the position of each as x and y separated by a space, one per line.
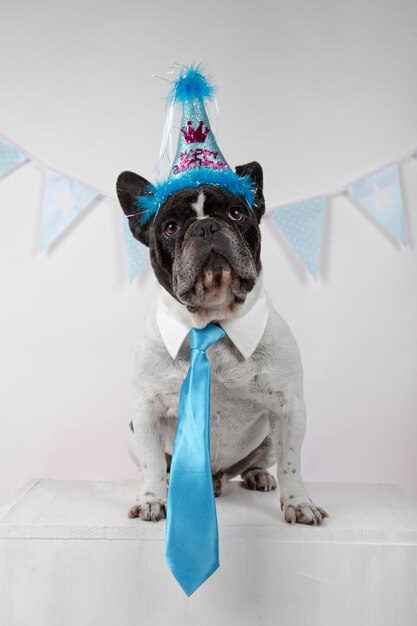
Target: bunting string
64 197
343 188
42 165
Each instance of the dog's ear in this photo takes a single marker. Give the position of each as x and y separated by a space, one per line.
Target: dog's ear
129 186
254 171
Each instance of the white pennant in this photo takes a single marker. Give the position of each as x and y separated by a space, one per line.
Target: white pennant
10 157
380 195
302 225
63 200
136 252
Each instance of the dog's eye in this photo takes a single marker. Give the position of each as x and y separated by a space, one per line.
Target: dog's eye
171 228
235 213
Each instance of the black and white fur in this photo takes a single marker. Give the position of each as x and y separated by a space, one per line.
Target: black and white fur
205 248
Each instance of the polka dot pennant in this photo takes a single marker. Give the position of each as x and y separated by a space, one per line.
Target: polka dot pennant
63 200
136 253
302 225
380 195
10 158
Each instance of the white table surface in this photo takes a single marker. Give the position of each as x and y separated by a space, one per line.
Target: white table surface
70 556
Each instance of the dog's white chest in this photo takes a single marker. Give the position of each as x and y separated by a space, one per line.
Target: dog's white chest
237 426
238 422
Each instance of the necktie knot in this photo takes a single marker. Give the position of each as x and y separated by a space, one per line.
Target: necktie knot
203 338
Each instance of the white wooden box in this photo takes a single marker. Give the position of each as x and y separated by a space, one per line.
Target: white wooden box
70 556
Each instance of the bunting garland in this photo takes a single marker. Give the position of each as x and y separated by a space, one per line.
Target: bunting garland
378 194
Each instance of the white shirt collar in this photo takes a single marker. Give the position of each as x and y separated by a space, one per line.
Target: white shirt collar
245 331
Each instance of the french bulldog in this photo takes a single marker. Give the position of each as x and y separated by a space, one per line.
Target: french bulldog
204 246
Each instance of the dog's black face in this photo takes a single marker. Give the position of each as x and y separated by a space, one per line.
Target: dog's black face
204 242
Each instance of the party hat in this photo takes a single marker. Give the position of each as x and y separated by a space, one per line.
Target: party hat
198 159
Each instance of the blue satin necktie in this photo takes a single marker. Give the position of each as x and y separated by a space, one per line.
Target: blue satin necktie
192 546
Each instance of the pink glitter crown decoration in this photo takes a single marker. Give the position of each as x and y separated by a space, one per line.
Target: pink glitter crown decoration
195 136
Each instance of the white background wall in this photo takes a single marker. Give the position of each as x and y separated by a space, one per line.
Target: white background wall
320 93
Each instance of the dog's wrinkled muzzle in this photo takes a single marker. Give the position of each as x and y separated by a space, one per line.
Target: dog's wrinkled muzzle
212 257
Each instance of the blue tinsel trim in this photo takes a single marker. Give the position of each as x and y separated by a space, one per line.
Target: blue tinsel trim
156 195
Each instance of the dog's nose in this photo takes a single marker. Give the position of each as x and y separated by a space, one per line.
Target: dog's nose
206 228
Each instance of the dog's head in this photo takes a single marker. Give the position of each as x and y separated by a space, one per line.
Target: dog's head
204 242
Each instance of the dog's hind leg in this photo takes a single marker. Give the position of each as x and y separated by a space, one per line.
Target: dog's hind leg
253 468
217 483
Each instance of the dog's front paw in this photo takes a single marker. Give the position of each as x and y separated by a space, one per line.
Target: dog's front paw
148 511
298 511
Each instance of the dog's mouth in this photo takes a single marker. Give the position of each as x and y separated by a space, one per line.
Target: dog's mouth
216 273
217 285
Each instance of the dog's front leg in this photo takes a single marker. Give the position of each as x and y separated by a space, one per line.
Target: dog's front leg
151 501
288 430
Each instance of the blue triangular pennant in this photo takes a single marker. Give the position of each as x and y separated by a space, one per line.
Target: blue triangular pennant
380 195
63 200
10 158
136 252
302 225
